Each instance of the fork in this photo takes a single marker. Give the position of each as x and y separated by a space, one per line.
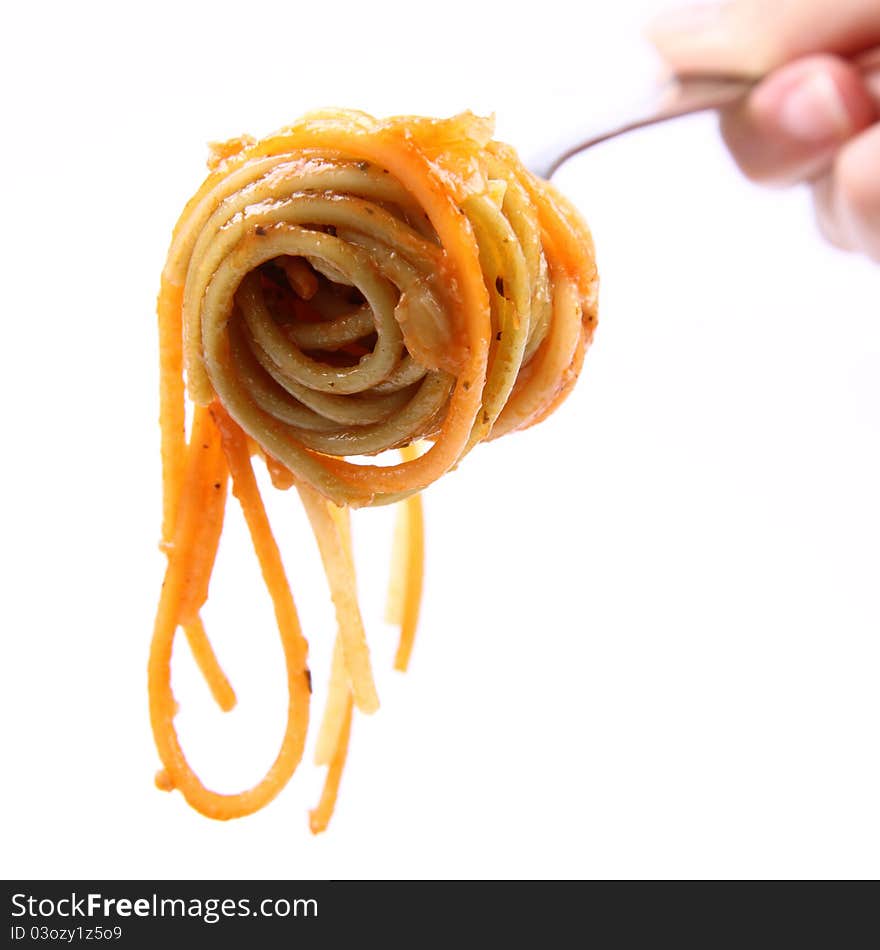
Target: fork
681 95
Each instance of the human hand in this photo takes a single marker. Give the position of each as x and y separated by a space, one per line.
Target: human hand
815 117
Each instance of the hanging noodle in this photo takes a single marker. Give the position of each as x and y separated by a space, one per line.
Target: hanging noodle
340 288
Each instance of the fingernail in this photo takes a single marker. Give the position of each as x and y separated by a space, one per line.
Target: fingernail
814 111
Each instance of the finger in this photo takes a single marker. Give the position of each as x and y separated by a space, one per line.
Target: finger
826 214
848 204
754 36
792 124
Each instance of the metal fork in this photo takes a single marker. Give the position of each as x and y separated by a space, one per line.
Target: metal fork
682 95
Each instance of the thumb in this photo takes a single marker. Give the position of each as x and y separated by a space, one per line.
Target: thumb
793 123
751 37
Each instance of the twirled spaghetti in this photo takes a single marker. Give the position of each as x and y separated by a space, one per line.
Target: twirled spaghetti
344 287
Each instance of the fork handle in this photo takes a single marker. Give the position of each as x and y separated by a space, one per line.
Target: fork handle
682 95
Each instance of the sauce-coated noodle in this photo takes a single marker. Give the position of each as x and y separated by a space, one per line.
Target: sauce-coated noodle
340 288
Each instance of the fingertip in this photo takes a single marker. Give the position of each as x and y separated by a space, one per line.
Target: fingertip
827 218
794 121
713 37
857 192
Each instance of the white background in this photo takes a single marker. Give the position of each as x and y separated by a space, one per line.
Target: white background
650 633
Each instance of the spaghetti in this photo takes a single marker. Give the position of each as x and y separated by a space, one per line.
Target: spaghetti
344 287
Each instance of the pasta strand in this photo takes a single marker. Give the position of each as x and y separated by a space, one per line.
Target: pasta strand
345 287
